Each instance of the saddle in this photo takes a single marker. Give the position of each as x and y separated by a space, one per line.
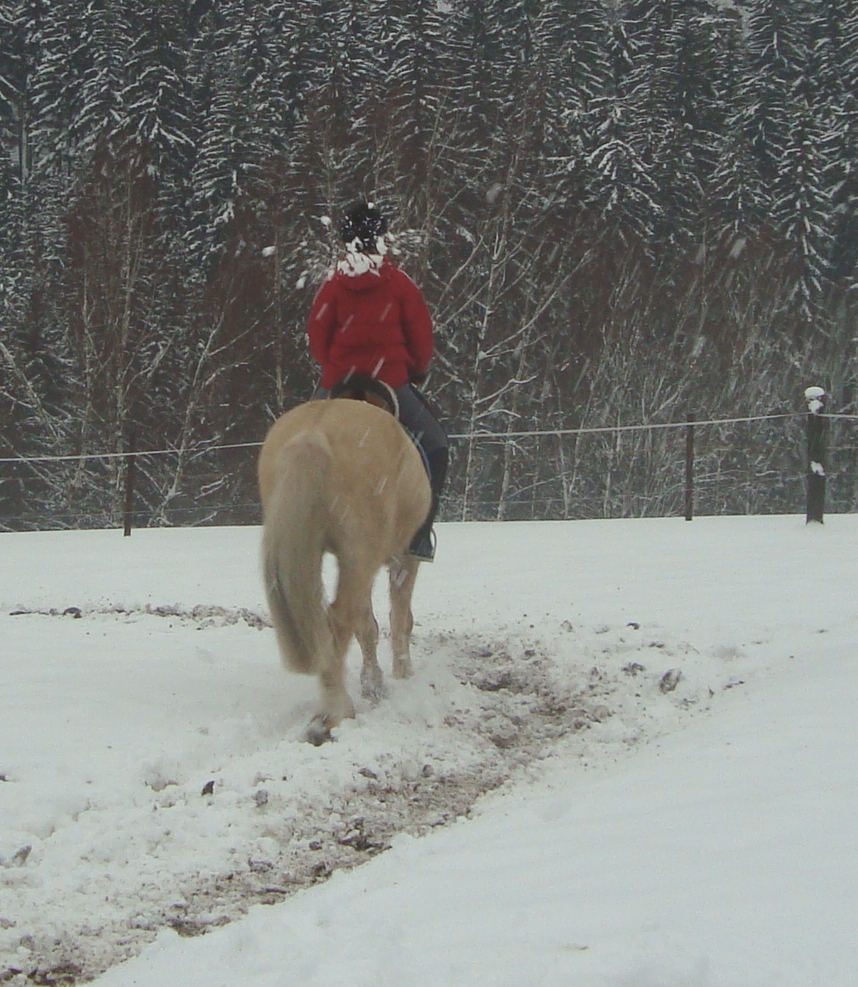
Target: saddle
360 387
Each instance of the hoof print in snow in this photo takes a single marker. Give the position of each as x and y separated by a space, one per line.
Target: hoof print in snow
260 866
494 683
500 730
670 680
20 857
188 928
363 842
67 973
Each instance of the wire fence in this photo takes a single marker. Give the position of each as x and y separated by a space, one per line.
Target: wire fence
740 465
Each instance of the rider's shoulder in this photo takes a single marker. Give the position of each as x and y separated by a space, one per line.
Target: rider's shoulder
397 275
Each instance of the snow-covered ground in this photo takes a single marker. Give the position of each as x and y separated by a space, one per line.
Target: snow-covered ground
627 759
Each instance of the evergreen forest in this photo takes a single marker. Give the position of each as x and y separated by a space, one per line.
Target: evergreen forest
620 213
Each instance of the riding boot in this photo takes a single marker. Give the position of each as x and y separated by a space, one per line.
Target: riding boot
423 544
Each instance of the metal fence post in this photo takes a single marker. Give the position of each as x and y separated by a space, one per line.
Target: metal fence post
130 462
689 471
816 453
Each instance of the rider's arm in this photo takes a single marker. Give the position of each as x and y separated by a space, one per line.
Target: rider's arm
321 323
416 327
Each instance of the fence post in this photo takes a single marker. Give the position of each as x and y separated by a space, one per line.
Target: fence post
130 462
689 471
816 449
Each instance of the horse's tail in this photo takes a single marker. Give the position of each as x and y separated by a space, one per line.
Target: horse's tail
293 546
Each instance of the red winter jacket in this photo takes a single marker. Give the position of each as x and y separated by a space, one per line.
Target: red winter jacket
373 323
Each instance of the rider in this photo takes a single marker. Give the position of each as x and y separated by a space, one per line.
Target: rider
369 318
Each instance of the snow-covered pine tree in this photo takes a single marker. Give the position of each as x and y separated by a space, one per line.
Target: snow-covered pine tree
13 87
33 238
99 115
834 27
156 95
778 37
474 46
14 122
620 188
673 90
789 136
227 157
579 92
414 42
801 209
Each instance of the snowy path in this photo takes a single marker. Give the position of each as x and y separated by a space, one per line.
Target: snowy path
665 705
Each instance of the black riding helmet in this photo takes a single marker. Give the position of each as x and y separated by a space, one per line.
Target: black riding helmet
363 223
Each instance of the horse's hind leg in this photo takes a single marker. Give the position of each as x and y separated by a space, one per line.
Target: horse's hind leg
336 704
353 610
403 575
366 631
350 615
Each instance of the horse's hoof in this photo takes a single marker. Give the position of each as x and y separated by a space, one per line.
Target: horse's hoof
372 686
318 732
402 668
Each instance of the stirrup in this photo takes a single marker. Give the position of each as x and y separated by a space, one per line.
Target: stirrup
423 547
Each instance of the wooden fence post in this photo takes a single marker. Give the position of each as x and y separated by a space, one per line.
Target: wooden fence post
817 427
130 463
689 471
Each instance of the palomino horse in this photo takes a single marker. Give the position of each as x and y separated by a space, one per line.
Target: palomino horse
343 477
